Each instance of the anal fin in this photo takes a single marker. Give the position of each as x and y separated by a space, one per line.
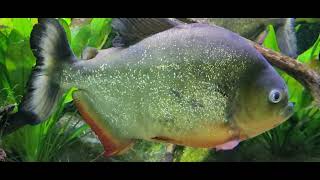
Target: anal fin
113 144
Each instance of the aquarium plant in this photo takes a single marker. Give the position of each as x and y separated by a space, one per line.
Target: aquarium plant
298 139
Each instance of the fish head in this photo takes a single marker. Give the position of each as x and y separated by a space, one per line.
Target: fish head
262 104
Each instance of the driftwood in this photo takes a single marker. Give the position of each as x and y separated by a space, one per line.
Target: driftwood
308 77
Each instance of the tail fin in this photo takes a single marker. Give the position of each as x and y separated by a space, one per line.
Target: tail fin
287 38
50 46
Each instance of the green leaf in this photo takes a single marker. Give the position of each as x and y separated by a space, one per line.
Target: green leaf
3 46
66 28
67 20
5 87
295 89
77 132
23 26
45 141
271 39
19 61
80 40
311 53
297 92
100 29
68 96
34 20
6 25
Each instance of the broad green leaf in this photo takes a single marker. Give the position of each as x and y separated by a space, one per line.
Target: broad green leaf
5 87
19 61
3 46
23 26
311 53
66 28
297 92
34 20
100 29
68 97
6 25
67 20
80 40
295 88
271 40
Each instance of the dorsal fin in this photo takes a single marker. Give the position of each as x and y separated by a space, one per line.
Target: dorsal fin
133 30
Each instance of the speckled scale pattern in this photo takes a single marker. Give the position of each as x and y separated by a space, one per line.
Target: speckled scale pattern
174 84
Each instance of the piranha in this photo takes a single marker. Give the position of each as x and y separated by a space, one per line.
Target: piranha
194 85
255 29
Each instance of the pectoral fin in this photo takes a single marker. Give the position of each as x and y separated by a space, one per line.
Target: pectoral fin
228 145
113 144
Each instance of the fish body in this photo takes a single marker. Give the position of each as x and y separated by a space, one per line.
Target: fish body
167 83
195 85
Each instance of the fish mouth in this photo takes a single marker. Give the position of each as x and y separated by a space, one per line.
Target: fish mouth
283 115
288 111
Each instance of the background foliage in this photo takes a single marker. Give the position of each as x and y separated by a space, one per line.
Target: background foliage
64 137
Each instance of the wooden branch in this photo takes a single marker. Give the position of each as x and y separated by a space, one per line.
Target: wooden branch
308 77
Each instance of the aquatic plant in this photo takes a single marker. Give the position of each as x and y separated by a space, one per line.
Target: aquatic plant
43 142
299 135
296 139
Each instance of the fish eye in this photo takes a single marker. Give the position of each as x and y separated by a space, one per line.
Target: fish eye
275 96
